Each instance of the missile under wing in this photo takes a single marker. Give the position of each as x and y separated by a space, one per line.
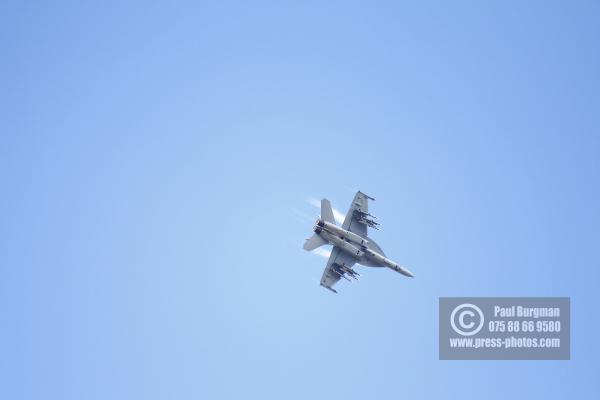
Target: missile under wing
358 218
334 270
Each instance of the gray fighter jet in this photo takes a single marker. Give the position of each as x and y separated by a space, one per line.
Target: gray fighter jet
350 242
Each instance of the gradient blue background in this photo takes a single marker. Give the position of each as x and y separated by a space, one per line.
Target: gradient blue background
156 159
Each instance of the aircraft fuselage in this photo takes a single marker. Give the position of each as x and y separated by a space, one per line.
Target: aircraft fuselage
364 250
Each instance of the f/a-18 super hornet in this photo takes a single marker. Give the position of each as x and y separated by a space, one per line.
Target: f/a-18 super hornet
350 242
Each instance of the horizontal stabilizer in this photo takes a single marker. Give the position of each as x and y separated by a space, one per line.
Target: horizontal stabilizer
313 242
327 211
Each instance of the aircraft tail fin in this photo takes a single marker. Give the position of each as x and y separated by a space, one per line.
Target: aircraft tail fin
327 211
313 242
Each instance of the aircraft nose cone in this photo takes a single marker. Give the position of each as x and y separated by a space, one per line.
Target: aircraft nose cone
405 272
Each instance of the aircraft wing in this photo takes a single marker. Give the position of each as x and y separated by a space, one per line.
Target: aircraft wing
358 217
332 273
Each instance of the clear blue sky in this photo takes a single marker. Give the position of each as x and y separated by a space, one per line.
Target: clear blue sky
155 161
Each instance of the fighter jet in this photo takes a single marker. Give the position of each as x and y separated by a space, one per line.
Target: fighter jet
351 245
